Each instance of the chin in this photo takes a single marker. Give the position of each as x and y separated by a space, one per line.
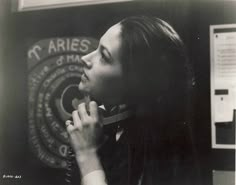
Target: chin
83 89
80 86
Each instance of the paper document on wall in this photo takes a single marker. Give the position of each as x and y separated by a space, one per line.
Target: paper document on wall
223 71
224 105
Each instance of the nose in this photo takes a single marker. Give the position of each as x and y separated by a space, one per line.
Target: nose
87 60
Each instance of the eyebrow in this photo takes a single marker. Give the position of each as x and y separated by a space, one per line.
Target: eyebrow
104 48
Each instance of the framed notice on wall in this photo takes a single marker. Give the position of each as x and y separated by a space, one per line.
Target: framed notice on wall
26 5
223 85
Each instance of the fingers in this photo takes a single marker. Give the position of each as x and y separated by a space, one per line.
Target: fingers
87 101
91 116
81 117
76 119
69 126
93 107
83 114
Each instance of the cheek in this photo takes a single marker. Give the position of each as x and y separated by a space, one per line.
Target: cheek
110 78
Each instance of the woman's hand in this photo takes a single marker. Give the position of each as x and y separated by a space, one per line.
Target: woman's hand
85 137
86 132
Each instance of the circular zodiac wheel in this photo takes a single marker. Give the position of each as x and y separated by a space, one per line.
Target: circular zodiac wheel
55 68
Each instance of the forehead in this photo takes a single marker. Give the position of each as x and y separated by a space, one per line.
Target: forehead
112 39
112 32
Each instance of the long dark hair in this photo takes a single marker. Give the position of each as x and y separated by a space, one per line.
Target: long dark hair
155 61
159 80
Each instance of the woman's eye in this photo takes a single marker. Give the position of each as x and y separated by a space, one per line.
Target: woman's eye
104 57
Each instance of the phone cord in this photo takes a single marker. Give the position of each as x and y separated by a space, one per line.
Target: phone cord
70 166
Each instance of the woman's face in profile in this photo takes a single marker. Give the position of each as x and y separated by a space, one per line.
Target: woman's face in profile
103 71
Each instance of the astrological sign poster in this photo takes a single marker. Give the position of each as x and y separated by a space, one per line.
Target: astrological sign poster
54 71
223 85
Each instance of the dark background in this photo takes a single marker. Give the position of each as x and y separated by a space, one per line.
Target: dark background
191 20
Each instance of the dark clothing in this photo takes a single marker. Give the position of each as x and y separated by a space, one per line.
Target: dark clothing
160 156
152 150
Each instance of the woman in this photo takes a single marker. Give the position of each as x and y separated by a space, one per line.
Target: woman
139 73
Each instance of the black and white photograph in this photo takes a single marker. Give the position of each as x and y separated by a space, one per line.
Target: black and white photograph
117 92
